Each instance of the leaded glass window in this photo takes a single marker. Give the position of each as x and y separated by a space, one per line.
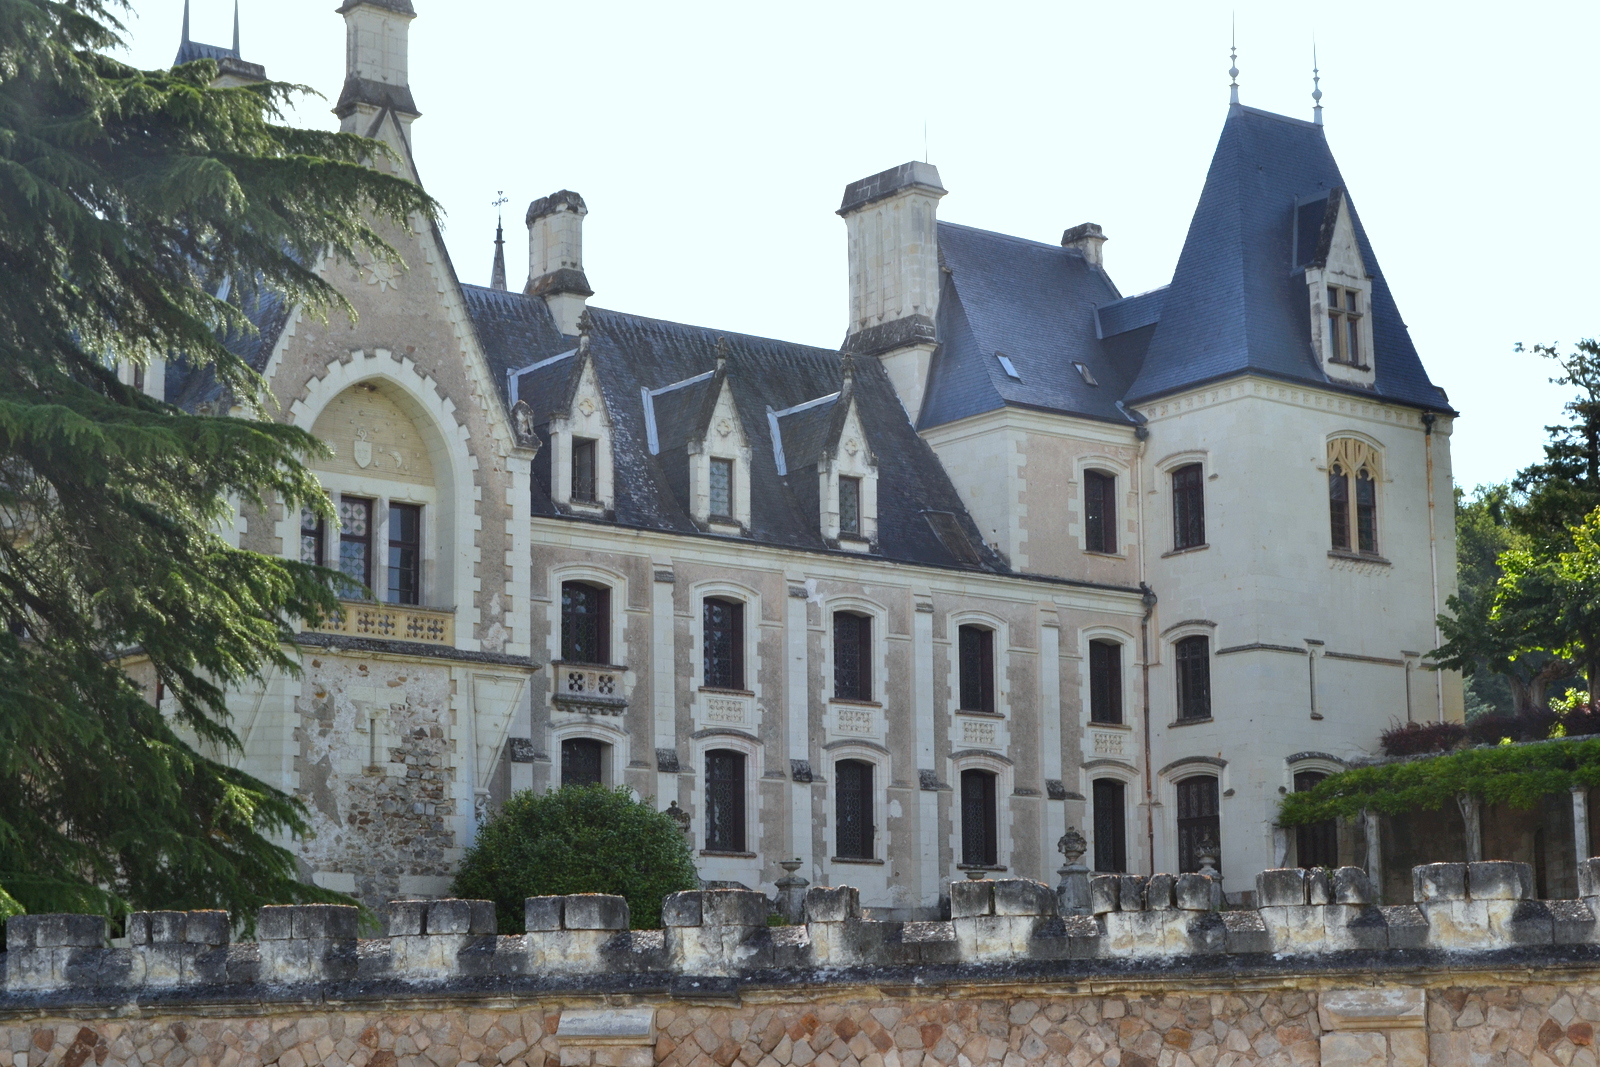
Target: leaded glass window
852 656
405 554
585 623
355 544
850 506
724 801
1366 513
1188 507
1110 826
977 668
1198 821
1339 506
1193 655
584 481
313 532
853 816
1105 682
581 761
723 622
1100 511
722 488
980 846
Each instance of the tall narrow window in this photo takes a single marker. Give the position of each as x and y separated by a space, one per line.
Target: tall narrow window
853 821
980 845
1198 821
585 482
405 554
1316 845
852 656
313 535
585 623
724 801
1110 826
1352 327
1335 333
723 622
721 489
1344 326
850 506
1188 507
977 668
1100 511
1366 512
1105 682
355 544
1339 506
1194 678
581 761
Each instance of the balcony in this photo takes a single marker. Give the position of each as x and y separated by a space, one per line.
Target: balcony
588 689
391 622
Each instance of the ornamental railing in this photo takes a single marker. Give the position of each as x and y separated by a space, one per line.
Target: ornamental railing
391 622
589 685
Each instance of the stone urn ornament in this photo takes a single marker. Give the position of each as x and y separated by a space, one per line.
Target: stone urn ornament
1072 894
679 816
1207 853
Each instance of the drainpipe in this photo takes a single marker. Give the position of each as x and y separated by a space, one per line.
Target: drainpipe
1433 555
1149 601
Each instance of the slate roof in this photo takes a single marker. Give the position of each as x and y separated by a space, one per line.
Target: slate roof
634 355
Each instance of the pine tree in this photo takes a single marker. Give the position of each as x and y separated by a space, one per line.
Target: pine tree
126 197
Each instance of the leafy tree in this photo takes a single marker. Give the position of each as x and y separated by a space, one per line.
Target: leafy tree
1561 491
1548 600
125 197
577 839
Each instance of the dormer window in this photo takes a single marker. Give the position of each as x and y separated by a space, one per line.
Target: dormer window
721 488
1344 327
850 507
585 471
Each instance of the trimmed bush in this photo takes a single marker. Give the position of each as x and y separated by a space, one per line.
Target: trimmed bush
577 839
1416 738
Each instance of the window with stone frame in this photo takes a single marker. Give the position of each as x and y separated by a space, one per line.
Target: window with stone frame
1100 512
980 827
583 761
1199 821
1105 682
725 801
1193 660
1353 496
405 554
355 545
976 668
849 506
1344 327
1317 844
722 622
585 471
721 489
853 810
585 623
1188 507
1110 798
852 656
313 536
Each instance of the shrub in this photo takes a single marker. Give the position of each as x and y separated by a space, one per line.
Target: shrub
577 839
1416 738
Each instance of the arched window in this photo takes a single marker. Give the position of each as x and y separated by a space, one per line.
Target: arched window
1105 682
583 761
585 623
1316 845
1353 509
725 801
1188 507
980 827
1100 512
723 623
1199 821
1110 826
977 668
852 656
853 810
1193 655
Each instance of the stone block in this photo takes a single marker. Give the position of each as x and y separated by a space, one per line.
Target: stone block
485 919
1130 893
166 927
1158 892
1318 889
1354 926
1408 1048
681 909
1198 892
1147 933
1022 896
1407 926
449 917
1352 886
1208 934
1103 893
995 937
1298 928
56 931
971 897
275 922
1589 877
544 913
595 911
1281 888
1500 880
1370 1049
1245 933
1572 922
1531 923
1393 1008
405 918
138 928
722 907
614 1026
832 904
1438 881
210 927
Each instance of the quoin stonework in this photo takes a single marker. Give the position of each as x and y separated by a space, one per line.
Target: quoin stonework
1025 554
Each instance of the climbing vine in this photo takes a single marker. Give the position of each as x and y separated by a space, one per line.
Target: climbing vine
1514 775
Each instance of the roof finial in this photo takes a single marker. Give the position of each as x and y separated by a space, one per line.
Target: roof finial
497 275
1316 82
585 327
722 355
236 51
847 364
1233 71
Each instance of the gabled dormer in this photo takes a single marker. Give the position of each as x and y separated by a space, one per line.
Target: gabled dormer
719 458
827 435
582 481
1339 288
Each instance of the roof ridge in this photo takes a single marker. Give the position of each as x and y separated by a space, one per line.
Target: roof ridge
1006 236
1290 119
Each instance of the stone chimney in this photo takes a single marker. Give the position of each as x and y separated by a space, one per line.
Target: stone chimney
555 257
376 77
1087 238
890 219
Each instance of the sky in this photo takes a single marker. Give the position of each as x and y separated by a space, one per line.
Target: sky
712 142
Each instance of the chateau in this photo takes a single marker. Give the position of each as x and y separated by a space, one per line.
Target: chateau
1027 554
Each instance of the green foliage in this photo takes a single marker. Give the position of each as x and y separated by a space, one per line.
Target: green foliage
1561 491
577 839
125 197
1514 775
1548 599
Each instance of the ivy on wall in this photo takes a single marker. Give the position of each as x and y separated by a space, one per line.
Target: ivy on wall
1517 776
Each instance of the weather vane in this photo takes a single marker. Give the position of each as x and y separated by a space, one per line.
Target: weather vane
501 202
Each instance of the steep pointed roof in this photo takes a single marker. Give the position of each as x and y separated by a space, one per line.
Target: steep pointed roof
1238 302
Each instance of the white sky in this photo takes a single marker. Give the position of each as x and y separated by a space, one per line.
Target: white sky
712 141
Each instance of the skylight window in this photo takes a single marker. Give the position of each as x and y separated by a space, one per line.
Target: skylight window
1083 369
1007 366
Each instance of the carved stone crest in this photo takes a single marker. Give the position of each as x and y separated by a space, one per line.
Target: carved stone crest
363 448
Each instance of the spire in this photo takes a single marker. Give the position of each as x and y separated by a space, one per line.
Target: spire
237 54
185 21
1233 71
497 276
1316 84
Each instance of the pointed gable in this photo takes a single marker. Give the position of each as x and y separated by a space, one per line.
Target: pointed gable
1238 301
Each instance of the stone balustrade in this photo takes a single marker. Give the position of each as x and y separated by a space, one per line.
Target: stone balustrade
723 935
